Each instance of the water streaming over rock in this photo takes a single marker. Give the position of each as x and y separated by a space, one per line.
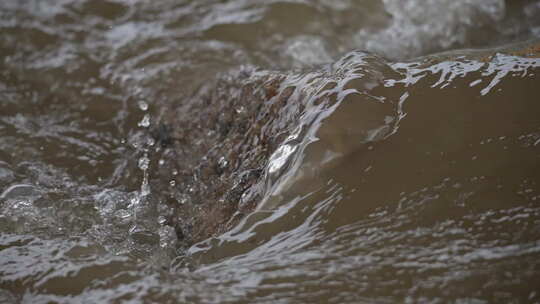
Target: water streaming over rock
276 152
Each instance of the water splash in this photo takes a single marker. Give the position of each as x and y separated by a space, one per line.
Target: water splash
144 164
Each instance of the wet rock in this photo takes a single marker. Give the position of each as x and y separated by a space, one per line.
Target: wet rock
231 137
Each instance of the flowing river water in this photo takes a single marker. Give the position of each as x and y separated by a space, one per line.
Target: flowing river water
280 151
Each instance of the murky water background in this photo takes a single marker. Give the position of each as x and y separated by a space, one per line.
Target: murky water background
130 130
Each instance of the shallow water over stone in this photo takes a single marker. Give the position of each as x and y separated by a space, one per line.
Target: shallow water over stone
208 151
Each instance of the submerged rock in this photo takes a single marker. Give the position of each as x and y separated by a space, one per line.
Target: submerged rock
254 139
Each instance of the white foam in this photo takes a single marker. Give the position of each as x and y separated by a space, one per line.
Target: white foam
421 26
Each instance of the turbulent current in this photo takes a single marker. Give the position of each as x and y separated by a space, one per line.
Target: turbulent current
280 151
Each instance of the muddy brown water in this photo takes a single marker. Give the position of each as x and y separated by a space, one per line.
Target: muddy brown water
272 152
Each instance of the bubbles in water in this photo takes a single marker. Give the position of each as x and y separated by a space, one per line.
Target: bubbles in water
134 202
181 198
142 236
167 237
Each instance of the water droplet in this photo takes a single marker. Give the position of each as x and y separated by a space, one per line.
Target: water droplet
143 105
145 187
223 163
162 220
145 122
240 110
181 198
144 162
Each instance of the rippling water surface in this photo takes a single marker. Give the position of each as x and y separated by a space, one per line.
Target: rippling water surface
269 152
